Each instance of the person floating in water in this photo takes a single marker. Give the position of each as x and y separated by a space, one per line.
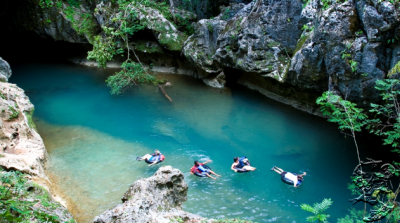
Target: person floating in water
202 171
241 164
287 176
152 159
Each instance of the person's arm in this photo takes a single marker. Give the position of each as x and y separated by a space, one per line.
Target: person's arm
303 174
155 162
208 161
233 168
295 183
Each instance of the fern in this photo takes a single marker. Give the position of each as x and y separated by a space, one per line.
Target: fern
318 210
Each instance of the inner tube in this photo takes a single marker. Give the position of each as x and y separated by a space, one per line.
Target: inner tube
290 182
203 174
162 158
240 170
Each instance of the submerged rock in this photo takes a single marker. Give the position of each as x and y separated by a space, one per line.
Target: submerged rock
156 199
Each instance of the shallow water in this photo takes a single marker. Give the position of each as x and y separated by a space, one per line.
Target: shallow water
93 139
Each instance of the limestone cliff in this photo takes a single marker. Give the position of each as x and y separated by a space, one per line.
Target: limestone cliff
155 199
22 149
21 146
291 50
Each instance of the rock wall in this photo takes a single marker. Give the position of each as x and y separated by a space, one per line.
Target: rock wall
289 50
21 147
294 53
155 199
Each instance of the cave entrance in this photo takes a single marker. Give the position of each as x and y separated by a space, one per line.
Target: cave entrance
232 76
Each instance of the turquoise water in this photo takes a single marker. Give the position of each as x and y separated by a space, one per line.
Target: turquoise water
93 139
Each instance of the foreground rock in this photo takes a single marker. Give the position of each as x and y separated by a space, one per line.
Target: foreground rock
156 199
22 149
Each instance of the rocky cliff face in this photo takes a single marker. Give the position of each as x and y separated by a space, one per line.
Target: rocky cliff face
289 50
21 146
22 149
155 199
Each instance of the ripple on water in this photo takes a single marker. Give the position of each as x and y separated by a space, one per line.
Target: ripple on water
93 139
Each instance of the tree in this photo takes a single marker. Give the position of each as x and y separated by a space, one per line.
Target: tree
386 123
318 210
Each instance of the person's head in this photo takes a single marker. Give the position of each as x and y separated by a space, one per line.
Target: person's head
196 163
157 152
299 177
235 159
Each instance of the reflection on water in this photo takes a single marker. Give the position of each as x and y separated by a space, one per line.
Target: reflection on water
93 139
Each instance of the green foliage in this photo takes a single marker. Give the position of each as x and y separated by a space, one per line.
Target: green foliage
318 210
326 4
103 51
386 123
30 120
59 4
48 21
395 69
353 217
226 14
353 189
22 201
84 25
307 28
342 112
177 219
345 55
359 33
131 74
390 127
392 40
273 44
306 3
353 65
46 3
358 181
74 3
14 113
185 25
394 216
210 27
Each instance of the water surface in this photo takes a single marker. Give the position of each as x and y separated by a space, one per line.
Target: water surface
93 139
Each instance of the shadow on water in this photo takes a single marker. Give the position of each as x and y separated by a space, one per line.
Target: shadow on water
93 139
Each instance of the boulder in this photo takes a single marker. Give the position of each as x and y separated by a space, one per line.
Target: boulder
156 199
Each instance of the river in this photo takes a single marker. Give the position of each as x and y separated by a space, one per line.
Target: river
93 139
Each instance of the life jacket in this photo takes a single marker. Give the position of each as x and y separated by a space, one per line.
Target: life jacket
157 157
241 163
201 168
